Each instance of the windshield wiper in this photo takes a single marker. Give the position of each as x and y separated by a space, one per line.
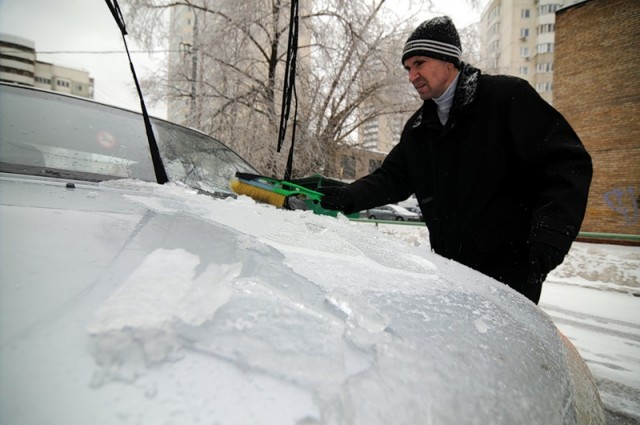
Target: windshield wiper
161 174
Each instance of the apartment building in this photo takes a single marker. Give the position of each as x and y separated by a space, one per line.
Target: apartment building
19 64
517 37
381 133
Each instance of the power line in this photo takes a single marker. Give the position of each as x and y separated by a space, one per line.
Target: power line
99 52
86 52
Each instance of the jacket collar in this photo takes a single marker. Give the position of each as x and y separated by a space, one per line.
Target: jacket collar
467 89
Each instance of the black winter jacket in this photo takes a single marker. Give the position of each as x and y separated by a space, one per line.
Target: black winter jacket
505 170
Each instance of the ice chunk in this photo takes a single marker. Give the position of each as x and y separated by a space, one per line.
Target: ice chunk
481 326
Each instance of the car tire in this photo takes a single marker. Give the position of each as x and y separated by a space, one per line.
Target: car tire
399 219
372 217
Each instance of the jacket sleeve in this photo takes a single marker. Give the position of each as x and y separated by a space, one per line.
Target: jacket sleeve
560 164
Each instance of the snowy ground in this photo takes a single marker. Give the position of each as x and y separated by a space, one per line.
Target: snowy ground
594 299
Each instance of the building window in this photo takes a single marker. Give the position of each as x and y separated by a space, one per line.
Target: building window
545 48
11 70
348 166
525 13
524 33
544 67
546 28
524 52
370 134
62 83
524 70
548 8
544 87
494 29
374 164
494 13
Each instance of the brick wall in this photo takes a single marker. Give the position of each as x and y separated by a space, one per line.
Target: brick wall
597 88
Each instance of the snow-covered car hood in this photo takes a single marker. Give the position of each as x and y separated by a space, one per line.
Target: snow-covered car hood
130 302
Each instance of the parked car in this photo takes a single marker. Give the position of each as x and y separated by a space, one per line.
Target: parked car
124 301
392 212
416 210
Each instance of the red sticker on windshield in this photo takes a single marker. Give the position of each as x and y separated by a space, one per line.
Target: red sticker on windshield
106 140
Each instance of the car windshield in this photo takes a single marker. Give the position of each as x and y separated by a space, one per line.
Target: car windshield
54 135
196 159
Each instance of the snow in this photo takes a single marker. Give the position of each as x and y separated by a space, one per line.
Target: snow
609 276
190 292
344 329
594 299
609 273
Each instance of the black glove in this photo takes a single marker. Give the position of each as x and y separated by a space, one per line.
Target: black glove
544 258
336 198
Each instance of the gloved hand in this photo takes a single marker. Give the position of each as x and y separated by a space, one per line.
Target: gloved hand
336 198
544 258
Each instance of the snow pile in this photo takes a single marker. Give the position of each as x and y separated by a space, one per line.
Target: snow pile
603 267
600 266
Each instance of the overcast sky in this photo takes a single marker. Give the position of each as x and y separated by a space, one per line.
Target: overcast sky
81 26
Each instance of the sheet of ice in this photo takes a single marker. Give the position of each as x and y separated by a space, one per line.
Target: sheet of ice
355 335
163 289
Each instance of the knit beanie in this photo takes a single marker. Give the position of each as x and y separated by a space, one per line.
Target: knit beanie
436 38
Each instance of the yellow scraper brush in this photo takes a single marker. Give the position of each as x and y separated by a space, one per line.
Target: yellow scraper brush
279 193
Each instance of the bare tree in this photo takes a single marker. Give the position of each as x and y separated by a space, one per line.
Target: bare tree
225 75
470 39
361 41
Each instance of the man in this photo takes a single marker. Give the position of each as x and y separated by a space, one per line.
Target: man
501 178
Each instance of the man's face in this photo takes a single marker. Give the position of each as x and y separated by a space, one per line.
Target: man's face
429 76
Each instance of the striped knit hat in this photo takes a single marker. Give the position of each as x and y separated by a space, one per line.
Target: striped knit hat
436 38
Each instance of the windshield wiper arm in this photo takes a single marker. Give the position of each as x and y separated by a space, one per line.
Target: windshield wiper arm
161 174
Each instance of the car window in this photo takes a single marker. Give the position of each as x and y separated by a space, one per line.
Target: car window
44 133
196 159
47 134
